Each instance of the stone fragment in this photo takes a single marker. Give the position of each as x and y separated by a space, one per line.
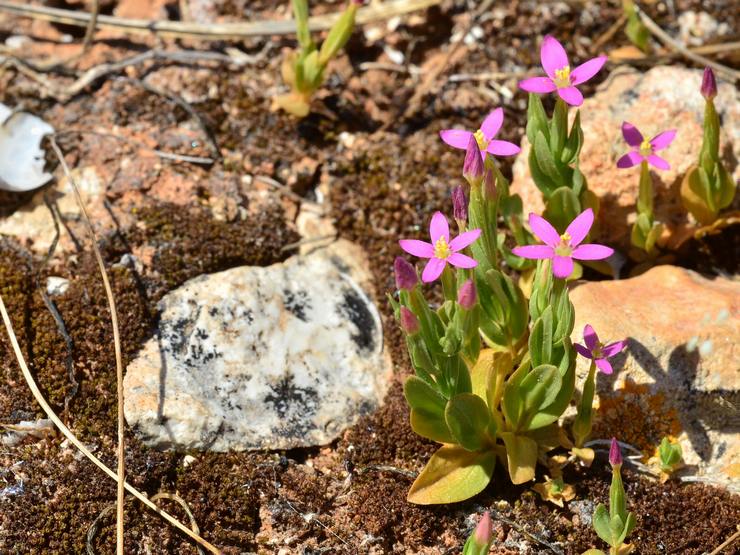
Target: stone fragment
273 357
56 286
662 383
660 99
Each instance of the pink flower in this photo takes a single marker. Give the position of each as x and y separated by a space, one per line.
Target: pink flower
597 351
643 148
615 453
441 250
559 75
459 138
562 249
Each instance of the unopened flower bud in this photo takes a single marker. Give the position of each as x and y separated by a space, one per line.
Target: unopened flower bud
489 185
459 204
473 167
406 277
615 453
708 84
467 295
484 531
409 321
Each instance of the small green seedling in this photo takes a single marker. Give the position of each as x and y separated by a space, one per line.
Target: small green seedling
303 70
670 458
635 30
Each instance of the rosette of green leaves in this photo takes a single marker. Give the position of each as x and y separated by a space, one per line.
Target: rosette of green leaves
553 162
670 455
613 526
303 70
708 186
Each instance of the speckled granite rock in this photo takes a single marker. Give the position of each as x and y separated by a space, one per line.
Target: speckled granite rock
659 99
683 334
262 358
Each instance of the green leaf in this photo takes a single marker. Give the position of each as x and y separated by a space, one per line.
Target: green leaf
602 523
558 127
540 339
512 404
594 552
421 395
300 12
313 72
561 208
451 475
339 34
540 387
573 145
467 418
536 118
431 426
545 160
549 414
629 525
727 187
521 456
636 31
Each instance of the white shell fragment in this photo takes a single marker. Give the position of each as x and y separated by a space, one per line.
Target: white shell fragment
21 158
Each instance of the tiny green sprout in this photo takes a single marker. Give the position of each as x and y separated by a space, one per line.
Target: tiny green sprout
480 541
708 187
303 70
670 458
635 30
615 524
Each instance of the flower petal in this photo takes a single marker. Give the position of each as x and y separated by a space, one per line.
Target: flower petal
457 138
662 140
583 351
464 239
534 252
604 365
461 261
492 123
589 337
433 270
552 56
543 230
562 266
537 85
571 95
590 251
439 227
632 158
503 148
631 134
421 249
658 162
586 70
580 226
614 348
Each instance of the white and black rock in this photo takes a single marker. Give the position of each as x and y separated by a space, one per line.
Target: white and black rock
271 357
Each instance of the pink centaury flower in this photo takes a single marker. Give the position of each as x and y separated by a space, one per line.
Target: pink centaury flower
562 249
459 138
441 250
559 75
644 149
597 351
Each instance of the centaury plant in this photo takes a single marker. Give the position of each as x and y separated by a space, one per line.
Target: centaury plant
708 186
553 158
493 371
303 70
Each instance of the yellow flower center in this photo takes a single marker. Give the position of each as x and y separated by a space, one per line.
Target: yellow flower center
442 249
596 351
646 149
480 138
562 77
564 248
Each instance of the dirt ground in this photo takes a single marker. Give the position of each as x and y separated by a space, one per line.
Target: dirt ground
372 138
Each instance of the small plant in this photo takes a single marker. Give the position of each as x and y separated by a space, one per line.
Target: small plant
553 158
708 186
635 30
669 458
645 231
303 70
614 525
480 541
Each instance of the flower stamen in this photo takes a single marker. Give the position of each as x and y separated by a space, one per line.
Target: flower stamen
442 249
646 149
564 248
562 77
480 138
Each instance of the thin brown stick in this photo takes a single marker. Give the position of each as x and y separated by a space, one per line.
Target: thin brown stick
210 31
116 345
732 539
666 39
91 25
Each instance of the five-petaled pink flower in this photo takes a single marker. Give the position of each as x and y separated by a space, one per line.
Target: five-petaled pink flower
441 250
562 249
559 75
459 138
597 351
644 149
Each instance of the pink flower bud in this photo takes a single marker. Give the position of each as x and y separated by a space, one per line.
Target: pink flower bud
484 530
459 204
409 321
615 453
406 277
708 84
473 166
467 295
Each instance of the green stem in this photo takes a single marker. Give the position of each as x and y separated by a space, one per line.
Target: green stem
449 285
645 195
582 423
709 154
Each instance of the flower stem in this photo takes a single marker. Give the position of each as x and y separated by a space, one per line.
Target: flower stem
582 423
645 195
